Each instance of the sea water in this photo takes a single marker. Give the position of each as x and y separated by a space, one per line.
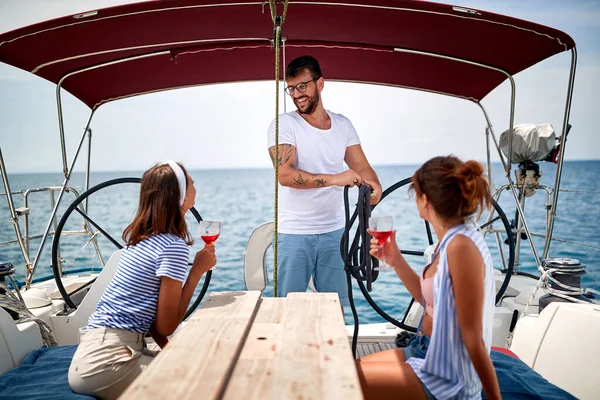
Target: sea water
243 199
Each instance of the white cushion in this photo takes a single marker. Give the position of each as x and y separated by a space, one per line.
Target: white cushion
562 344
570 350
6 360
19 339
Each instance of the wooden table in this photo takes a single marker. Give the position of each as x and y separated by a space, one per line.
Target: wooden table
239 345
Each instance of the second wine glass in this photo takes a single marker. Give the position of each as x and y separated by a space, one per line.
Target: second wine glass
210 231
381 229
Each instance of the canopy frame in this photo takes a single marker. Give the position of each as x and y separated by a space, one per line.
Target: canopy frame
221 43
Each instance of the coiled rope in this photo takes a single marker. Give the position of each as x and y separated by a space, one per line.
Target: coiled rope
358 263
10 302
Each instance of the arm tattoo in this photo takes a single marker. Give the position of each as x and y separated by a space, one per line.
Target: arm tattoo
285 153
301 180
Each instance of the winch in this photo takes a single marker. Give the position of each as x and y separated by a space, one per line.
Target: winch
564 278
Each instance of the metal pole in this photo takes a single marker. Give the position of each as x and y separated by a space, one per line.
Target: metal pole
14 219
87 170
489 157
60 194
491 183
26 238
491 130
499 240
284 67
55 223
511 185
61 129
518 235
562 151
85 203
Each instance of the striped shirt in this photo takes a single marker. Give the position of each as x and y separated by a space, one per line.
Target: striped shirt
447 370
131 298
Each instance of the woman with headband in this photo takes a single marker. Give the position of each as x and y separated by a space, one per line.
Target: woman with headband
149 291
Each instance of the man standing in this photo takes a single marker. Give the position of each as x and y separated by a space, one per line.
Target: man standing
313 145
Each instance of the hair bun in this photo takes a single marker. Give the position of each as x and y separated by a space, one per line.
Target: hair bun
474 186
456 189
470 170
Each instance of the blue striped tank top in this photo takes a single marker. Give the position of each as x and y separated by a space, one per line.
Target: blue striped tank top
447 370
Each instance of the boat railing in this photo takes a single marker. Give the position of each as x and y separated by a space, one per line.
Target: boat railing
24 237
522 231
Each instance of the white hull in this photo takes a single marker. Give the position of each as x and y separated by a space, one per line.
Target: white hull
555 343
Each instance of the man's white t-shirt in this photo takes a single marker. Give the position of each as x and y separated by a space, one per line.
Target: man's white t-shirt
318 151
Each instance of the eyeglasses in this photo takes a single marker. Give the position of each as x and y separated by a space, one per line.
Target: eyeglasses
301 87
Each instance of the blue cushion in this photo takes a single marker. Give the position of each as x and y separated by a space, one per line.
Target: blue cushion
42 375
518 381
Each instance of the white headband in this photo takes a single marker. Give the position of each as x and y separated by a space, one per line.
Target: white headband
180 179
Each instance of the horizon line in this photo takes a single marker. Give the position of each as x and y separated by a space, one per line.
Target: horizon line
239 168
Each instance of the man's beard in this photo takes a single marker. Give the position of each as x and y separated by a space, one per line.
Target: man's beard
311 104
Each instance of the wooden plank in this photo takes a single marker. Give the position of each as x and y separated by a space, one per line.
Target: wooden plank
337 376
388 346
253 373
199 360
371 348
270 310
360 349
312 357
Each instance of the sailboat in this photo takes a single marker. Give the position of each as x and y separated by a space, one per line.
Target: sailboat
106 55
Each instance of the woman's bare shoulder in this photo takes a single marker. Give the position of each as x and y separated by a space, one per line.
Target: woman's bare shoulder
464 252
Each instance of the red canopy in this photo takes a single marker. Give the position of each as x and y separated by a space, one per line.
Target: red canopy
181 43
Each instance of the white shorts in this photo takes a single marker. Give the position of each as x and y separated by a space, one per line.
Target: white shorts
106 361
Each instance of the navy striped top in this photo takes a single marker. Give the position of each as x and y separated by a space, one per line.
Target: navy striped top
131 298
447 370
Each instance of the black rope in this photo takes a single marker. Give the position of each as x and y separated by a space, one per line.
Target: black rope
357 259
358 263
354 314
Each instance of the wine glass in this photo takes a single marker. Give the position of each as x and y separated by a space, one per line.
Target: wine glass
381 229
210 231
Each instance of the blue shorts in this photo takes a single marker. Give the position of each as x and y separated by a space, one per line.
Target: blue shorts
417 347
303 256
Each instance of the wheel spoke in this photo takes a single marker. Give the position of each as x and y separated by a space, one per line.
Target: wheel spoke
106 234
482 227
82 287
94 235
429 235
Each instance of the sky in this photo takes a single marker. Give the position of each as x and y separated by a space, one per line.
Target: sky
224 126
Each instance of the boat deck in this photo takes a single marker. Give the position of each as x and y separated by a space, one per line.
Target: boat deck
366 348
363 349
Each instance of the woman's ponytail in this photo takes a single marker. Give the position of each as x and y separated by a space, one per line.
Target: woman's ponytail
454 188
474 187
